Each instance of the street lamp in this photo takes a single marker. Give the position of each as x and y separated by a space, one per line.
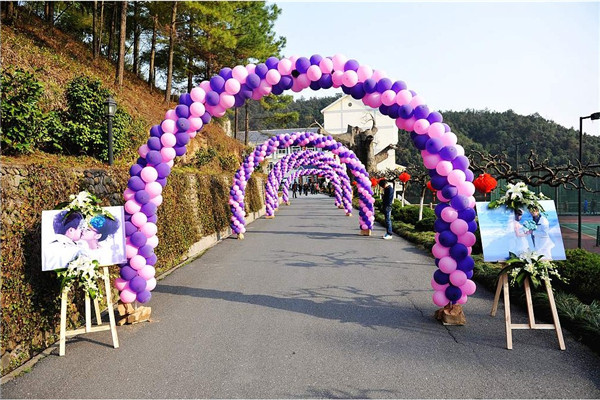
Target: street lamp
110 109
592 117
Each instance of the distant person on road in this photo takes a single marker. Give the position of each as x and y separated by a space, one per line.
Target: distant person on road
294 189
305 187
387 199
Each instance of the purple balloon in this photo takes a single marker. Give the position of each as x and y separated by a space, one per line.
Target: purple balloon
405 111
261 70
384 109
179 150
468 214
182 125
182 111
434 145
137 284
460 162
449 191
156 131
469 175
152 218
253 81
148 209
440 225
325 81
130 228
154 157
315 85
276 90
469 274
459 202
357 91
439 208
136 183
420 141
138 239
448 153
212 98
351 65
142 197
182 139
441 277
413 92
145 296
226 73
435 116
459 251
151 260
384 84
272 62
186 99
141 161
315 59
398 86
370 85
154 143
217 83
206 117
239 99
453 293
286 82
438 182
135 170
447 238
163 170
466 264
393 111
128 273
421 111
302 64
472 226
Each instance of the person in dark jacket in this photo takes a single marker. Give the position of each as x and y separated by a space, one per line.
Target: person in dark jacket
387 200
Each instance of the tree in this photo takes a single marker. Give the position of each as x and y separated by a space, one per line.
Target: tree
137 32
172 37
122 36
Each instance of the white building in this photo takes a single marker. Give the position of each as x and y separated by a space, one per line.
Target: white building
348 111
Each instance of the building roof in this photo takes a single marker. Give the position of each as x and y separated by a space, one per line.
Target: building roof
259 137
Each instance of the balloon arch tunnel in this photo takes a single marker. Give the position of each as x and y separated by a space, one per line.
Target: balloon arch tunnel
442 156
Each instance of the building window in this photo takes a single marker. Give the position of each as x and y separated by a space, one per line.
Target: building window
282 151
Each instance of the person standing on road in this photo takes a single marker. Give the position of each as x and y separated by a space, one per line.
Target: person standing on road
387 199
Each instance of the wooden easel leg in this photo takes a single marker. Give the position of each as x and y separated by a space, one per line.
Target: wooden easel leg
497 296
529 304
559 335
63 322
97 310
88 313
111 311
507 312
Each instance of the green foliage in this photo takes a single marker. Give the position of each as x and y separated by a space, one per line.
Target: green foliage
24 125
426 224
409 213
204 156
582 269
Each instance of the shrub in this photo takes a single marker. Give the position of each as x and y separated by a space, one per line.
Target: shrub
205 156
426 224
409 213
582 269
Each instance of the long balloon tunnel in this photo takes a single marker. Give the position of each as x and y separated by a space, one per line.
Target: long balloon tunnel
442 156
303 158
329 173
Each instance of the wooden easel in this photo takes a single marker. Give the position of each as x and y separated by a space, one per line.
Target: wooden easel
88 316
503 284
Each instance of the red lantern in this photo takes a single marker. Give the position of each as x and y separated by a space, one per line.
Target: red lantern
430 187
404 177
374 182
485 183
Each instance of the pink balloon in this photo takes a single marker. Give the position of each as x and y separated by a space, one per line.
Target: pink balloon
149 229
232 86
128 194
273 77
137 262
157 200
378 74
130 250
284 67
339 60
458 278
399 121
170 163
226 100
460 150
444 167
198 94
447 264
436 130
466 189
421 126
440 299
197 109
437 287
462 300
143 150
314 73
326 65
336 77
168 140
167 153
139 219
441 197
467 238
350 78
468 288
449 214
132 206
121 284
195 124
440 251
364 72
239 73
250 68
150 284
152 241
459 227
153 188
127 296
409 124
374 99
431 160
417 101
363 227
456 177
149 174
147 272
171 114
168 126
388 97
403 97
449 139
205 85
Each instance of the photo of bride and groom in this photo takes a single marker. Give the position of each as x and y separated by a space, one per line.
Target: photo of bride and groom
67 236
521 230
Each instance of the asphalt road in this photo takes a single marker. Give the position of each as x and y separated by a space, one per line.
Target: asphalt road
304 307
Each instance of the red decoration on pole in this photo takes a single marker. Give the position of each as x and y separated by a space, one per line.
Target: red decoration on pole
485 183
430 187
374 182
404 177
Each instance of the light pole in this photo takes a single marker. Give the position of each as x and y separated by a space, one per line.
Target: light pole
110 109
592 117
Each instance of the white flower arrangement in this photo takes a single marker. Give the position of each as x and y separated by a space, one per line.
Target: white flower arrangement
518 196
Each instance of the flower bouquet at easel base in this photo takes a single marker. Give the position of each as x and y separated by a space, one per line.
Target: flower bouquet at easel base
530 265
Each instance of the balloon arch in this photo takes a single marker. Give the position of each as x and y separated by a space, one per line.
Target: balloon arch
448 167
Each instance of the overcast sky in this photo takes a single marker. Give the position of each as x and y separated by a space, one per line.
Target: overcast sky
539 57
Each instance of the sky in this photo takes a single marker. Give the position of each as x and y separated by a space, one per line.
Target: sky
533 57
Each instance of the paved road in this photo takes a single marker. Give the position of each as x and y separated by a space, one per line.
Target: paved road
304 308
